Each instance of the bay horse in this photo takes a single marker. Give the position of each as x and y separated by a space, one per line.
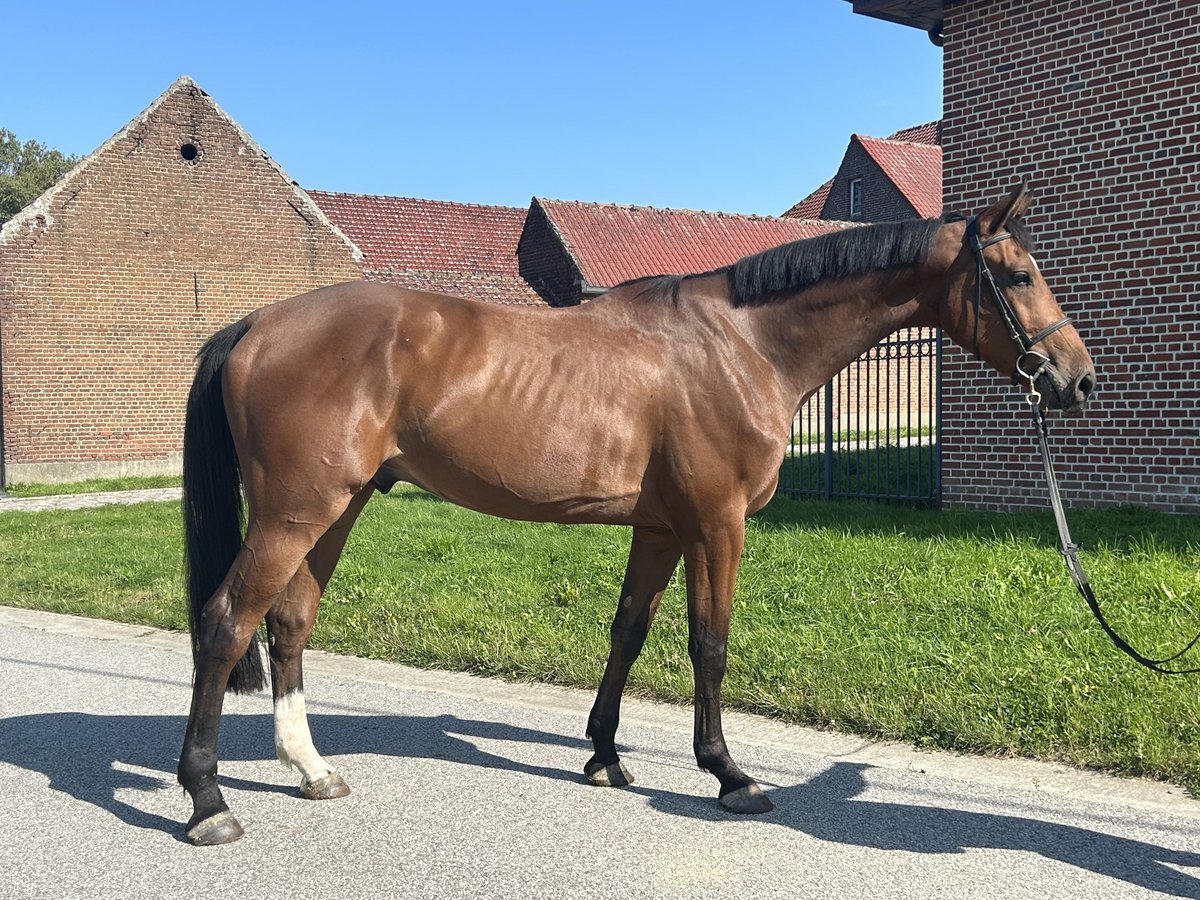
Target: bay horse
665 405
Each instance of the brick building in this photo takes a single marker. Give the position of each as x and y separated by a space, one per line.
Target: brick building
882 180
180 224
109 282
1098 105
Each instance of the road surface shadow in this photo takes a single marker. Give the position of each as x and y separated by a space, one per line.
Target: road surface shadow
827 807
89 757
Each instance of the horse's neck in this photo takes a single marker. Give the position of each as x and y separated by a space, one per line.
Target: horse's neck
814 334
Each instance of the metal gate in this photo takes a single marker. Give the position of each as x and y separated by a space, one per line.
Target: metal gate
872 432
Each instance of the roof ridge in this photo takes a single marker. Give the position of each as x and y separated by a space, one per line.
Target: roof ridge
667 209
889 140
414 199
920 125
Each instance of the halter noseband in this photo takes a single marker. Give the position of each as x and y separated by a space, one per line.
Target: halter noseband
1031 363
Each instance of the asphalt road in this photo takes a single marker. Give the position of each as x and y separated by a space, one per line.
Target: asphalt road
465 787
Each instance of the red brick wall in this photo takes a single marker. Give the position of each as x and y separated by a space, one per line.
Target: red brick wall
1099 105
105 297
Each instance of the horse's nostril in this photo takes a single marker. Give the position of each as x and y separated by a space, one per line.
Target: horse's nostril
1086 383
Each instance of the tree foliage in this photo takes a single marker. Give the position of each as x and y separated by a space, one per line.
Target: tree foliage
26 170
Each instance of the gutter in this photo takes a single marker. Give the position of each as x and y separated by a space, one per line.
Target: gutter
588 290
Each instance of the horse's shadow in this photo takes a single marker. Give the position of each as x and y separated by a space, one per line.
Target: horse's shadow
827 807
93 758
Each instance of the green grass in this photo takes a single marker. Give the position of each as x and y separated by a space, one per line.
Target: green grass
882 472
816 438
95 485
941 628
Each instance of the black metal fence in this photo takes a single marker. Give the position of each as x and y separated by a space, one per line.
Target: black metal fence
872 432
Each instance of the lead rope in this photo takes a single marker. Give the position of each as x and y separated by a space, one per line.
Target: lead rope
1070 550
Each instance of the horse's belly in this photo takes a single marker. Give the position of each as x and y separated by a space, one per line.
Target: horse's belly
539 489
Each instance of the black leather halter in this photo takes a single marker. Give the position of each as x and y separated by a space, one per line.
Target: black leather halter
1030 363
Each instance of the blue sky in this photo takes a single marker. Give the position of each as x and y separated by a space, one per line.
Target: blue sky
741 107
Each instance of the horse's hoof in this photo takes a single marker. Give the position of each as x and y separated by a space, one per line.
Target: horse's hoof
612 775
330 787
747 800
223 828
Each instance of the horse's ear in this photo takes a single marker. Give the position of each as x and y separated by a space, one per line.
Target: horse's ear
1011 207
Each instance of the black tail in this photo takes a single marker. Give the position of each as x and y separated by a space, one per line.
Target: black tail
213 520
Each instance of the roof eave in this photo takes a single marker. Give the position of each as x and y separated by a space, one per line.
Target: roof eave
923 14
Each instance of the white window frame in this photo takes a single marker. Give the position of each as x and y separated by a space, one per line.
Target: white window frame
856 197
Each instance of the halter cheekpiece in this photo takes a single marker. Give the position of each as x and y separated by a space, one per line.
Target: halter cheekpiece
1030 363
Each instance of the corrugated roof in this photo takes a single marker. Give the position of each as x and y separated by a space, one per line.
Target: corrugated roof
915 169
461 248
612 243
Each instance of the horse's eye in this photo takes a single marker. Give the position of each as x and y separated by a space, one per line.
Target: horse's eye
1022 278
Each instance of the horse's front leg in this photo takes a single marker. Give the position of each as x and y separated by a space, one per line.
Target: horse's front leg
711 565
653 556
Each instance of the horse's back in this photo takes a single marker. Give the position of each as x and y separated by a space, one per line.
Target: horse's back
520 412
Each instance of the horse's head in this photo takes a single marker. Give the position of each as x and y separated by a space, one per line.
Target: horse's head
1001 308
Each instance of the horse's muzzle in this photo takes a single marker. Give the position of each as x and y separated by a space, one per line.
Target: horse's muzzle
1067 393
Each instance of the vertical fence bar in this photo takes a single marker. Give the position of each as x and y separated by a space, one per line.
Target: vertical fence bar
935 465
829 439
890 456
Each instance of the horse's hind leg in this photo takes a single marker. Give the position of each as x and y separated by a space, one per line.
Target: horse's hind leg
271 554
289 624
652 559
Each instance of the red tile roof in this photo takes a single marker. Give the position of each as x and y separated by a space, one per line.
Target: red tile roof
611 243
929 133
915 169
434 245
812 205
508 289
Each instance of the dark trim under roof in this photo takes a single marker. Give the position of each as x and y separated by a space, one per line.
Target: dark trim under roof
923 14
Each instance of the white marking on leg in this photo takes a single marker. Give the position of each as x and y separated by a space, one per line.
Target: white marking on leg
293 740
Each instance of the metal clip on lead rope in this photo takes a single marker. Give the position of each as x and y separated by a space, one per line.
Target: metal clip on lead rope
1034 396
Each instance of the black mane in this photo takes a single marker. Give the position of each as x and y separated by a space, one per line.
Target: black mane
840 254
767 276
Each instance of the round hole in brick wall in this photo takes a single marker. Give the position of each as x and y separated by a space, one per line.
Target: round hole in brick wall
190 152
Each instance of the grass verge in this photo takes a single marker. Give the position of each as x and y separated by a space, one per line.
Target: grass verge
946 629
